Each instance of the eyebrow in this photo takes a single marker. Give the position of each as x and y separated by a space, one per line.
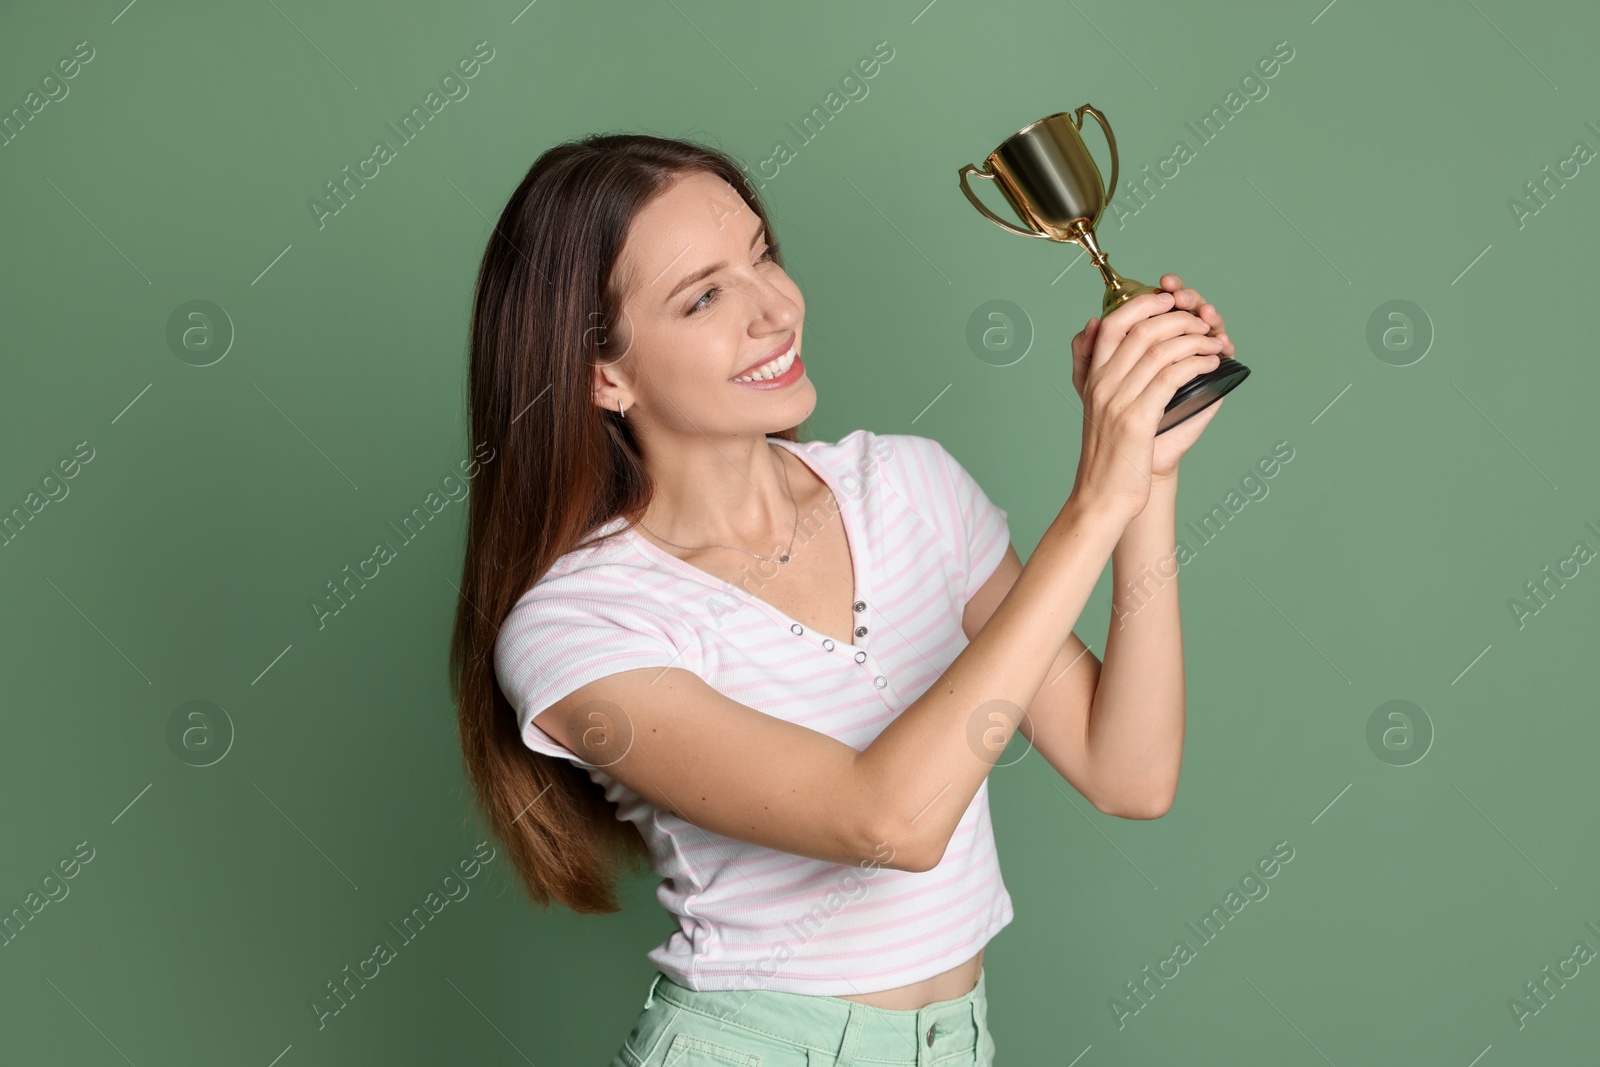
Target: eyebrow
707 271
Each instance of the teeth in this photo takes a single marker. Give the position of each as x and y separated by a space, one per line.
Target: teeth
771 370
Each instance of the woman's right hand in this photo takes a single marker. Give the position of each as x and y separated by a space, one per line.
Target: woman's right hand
1143 353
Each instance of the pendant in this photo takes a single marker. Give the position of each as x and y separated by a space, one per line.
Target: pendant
783 559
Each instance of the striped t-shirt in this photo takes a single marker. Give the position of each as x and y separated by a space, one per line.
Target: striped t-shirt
923 539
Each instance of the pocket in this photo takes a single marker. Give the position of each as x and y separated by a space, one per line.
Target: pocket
690 1050
639 1047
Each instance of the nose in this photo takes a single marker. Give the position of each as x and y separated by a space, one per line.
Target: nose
779 308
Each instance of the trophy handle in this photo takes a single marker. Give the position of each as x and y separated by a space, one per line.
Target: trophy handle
1002 223
1111 139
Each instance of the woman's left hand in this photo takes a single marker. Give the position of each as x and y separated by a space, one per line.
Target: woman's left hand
1169 446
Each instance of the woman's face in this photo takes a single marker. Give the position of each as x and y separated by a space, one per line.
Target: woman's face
704 304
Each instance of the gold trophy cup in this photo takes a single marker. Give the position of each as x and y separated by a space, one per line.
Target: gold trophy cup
1047 174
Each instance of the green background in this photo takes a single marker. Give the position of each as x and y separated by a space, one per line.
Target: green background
1380 566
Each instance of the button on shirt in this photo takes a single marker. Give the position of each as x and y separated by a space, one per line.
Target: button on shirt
923 539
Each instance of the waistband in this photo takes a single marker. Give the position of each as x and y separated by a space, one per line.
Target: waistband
844 1029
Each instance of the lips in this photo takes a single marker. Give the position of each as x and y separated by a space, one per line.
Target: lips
796 371
769 357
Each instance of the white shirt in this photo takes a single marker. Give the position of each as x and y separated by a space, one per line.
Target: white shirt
923 538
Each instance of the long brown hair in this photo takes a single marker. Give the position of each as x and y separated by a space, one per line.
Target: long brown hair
546 305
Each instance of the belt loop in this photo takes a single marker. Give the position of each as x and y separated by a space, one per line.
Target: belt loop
650 997
852 1037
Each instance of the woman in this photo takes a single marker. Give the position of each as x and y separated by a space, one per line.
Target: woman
781 671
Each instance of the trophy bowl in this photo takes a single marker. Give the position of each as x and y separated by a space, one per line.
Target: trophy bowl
1049 177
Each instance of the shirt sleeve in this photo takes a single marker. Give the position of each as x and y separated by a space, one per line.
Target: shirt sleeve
975 527
551 645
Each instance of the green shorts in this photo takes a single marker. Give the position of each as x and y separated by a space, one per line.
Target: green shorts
683 1028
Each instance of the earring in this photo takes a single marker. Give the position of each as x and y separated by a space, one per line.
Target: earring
620 409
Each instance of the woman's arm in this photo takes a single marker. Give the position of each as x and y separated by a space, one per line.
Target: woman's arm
1120 745
1135 731
921 772
1134 735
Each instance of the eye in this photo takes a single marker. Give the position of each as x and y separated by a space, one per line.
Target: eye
705 301
709 297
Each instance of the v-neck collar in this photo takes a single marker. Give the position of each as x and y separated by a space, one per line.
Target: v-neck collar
855 542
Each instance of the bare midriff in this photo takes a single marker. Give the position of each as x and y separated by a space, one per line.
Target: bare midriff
958 981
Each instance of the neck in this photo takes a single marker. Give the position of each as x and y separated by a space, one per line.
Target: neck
723 494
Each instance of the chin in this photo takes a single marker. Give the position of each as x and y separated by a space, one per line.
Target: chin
801 403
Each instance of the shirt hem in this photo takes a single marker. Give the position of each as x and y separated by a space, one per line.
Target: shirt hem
840 986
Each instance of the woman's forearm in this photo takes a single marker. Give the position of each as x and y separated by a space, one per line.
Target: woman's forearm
1135 731
918 776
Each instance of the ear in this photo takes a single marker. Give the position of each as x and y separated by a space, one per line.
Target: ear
610 388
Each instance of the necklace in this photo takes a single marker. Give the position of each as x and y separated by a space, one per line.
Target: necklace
781 559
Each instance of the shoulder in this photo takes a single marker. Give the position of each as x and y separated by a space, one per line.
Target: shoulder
605 584
600 563
911 454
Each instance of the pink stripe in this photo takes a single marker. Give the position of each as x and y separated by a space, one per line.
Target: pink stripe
962 877
768 901
905 973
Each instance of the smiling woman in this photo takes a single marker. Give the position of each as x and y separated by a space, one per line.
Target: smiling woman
803 763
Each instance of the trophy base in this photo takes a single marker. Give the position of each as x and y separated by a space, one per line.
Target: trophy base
1201 391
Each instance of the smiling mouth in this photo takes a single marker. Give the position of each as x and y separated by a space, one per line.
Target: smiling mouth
773 367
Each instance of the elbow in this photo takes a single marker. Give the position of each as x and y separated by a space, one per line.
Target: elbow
887 836
1149 797
929 857
900 850
1147 807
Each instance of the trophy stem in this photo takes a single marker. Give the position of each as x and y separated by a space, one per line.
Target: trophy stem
1119 290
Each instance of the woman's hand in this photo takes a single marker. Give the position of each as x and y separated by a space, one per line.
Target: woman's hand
1126 368
1169 447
